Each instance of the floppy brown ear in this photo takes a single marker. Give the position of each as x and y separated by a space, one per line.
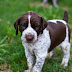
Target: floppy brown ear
44 23
16 25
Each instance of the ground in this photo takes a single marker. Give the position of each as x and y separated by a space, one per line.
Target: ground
12 56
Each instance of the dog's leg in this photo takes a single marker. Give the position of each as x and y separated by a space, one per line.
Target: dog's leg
38 65
30 60
44 2
66 50
40 59
50 54
55 3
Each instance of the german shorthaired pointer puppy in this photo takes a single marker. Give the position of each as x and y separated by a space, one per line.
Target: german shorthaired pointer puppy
40 37
53 1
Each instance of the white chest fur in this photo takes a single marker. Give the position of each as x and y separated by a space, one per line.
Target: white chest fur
41 45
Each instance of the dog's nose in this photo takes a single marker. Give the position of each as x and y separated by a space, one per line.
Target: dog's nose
29 37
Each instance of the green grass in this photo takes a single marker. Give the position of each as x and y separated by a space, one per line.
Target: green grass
12 55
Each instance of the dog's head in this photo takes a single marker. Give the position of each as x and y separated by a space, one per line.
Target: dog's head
30 25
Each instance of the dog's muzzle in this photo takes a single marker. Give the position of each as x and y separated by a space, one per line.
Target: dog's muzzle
29 37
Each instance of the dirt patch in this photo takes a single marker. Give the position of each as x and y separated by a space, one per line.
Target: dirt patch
3 68
7 70
65 8
39 4
1 20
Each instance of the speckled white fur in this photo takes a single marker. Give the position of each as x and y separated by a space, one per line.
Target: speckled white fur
65 45
40 49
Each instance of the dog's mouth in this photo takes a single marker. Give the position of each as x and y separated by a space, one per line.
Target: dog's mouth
29 41
29 38
33 41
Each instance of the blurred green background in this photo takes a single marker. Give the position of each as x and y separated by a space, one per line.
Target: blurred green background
12 54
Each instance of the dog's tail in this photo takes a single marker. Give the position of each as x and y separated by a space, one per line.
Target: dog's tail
65 18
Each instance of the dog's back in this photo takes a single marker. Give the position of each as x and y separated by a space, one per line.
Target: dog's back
58 30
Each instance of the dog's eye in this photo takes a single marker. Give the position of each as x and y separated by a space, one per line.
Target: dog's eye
37 27
23 26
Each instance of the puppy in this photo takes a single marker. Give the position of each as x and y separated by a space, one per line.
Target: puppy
40 37
53 1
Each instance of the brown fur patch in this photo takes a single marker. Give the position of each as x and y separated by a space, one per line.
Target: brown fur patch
38 23
57 33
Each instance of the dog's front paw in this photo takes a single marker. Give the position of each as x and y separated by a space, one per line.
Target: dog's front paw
27 71
64 65
34 70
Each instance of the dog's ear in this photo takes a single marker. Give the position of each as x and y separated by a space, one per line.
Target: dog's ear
43 23
16 24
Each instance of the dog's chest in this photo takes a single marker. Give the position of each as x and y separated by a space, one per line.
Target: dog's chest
41 45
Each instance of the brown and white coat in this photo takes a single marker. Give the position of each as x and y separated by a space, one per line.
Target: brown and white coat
40 37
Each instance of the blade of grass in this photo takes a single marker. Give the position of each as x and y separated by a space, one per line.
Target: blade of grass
3 39
3 51
1 59
2 45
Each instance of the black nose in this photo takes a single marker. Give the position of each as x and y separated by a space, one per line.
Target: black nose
29 37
